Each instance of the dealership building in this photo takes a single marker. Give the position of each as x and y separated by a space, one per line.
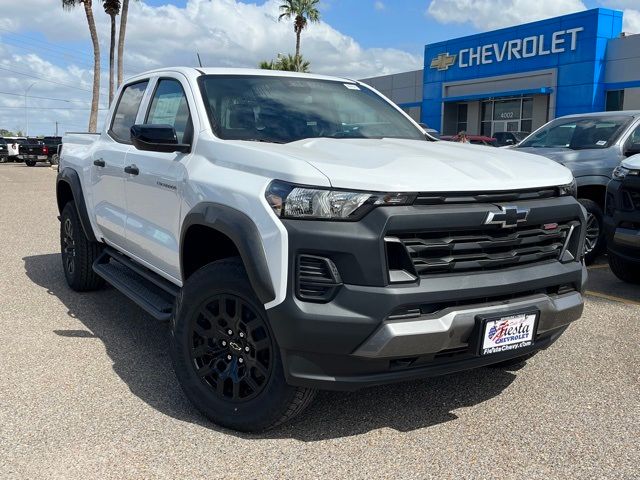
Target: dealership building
518 78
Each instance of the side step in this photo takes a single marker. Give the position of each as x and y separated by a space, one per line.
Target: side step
150 291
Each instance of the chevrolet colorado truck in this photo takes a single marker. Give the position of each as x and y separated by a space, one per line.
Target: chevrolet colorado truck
300 232
591 145
622 220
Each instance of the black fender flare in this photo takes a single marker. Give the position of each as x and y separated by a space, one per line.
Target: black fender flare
243 233
70 177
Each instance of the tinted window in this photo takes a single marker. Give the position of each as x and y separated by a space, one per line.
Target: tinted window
126 112
169 107
286 109
578 133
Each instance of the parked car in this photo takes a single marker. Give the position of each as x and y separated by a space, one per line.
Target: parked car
473 139
4 150
591 145
52 144
13 147
504 139
32 151
622 220
300 232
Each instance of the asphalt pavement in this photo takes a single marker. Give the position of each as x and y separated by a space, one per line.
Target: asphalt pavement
87 390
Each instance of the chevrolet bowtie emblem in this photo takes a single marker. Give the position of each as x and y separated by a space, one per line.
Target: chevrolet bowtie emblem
508 217
443 61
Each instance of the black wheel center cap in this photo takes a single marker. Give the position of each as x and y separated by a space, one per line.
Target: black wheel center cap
235 346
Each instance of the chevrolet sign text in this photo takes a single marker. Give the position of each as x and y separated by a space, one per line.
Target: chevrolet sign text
534 46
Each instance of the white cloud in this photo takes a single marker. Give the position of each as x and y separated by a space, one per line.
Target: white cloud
226 33
492 14
631 21
379 5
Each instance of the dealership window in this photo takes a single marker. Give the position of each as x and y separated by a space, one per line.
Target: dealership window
615 100
462 117
507 115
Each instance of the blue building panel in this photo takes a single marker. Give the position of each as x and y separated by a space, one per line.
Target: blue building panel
573 45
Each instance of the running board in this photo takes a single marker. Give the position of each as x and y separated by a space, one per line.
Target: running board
150 291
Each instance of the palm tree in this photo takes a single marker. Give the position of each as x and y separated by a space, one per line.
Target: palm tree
112 8
121 35
302 11
88 5
288 63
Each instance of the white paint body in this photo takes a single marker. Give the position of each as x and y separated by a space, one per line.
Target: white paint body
143 220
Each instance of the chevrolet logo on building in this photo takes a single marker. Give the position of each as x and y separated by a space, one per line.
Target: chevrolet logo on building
443 61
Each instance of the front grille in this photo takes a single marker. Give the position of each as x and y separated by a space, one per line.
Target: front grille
317 278
631 199
484 197
484 249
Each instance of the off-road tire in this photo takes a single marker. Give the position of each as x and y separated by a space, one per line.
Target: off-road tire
30 163
625 270
275 402
594 209
55 159
78 252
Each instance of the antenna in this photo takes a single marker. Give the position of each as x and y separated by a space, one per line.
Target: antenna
199 61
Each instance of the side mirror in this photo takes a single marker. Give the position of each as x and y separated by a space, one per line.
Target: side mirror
632 149
157 138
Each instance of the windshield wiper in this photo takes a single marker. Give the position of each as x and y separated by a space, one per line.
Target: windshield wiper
262 140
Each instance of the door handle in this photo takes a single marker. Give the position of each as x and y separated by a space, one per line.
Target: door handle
99 162
131 169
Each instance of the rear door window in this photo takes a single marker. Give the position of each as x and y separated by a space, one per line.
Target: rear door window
126 112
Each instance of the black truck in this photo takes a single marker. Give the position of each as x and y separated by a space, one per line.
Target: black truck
622 220
32 151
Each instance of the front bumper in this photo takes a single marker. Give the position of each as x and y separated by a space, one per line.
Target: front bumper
369 332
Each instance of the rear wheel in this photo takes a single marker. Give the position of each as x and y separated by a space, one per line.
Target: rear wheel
30 163
594 241
623 269
224 353
78 252
55 159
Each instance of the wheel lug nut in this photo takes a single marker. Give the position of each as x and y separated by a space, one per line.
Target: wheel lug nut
228 357
240 360
241 334
246 349
224 343
230 332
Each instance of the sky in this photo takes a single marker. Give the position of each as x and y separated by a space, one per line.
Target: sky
47 53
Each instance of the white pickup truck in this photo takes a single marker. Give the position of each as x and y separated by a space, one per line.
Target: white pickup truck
300 232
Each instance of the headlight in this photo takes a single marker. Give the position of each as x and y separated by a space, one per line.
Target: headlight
621 172
293 201
569 190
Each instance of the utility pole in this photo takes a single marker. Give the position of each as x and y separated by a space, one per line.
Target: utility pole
56 128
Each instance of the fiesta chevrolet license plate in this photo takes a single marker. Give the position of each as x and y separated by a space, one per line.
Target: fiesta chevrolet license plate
508 333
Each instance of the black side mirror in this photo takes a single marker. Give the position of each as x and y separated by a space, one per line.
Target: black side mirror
157 138
632 149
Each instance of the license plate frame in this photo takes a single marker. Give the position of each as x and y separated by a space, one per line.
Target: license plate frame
529 317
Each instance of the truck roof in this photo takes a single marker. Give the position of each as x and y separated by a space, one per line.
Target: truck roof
193 72
616 113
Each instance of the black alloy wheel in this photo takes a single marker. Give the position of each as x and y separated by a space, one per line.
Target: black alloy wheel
231 348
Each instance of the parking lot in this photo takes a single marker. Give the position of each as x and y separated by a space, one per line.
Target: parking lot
87 390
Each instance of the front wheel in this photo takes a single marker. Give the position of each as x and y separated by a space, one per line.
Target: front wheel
55 159
225 355
594 241
623 269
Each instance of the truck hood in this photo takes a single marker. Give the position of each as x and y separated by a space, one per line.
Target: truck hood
580 162
415 166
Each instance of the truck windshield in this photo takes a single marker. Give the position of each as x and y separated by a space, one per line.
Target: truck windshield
578 133
287 109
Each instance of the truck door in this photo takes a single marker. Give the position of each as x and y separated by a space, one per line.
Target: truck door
154 190
107 169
